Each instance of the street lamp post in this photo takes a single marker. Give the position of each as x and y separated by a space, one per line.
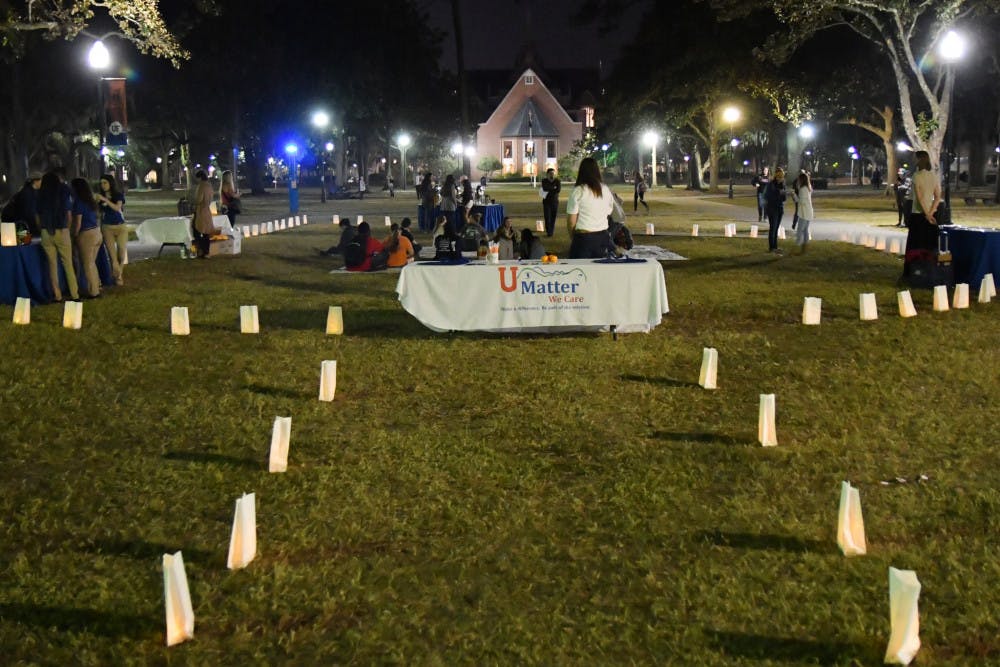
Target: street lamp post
99 59
320 119
730 115
952 49
807 132
604 149
651 138
854 156
457 150
403 141
293 178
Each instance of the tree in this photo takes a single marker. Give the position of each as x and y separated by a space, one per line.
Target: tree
139 21
489 164
907 33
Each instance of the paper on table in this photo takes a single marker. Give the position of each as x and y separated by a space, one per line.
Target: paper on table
850 522
904 618
709 368
177 598
766 431
281 436
243 540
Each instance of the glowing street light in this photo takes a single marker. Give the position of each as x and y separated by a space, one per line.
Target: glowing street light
403 140
651 138
293 178
953 46
731 115
320 119
99 59
328 146
604 149
952 49
903 147
807 132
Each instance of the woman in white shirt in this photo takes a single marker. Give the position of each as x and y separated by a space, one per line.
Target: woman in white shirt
922 237
804 198
589 205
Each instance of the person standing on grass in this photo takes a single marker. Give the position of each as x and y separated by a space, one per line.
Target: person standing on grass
449 204
923 224
774 208
362 187
804 202
113 229
589 205
759 183
86 234
639 193
54 207
904 199
230 197
204 228
551 186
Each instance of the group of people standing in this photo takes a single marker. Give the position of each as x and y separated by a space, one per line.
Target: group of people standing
771 197
73 223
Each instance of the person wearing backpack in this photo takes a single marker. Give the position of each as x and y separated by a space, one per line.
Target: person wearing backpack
365 253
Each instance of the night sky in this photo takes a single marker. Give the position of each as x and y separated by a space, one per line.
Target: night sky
496 31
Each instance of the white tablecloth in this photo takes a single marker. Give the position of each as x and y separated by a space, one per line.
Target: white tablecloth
176 229
573 295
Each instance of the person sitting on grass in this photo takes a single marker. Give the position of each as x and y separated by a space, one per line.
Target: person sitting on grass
447 244
531 246
404 229
506 238
399 248
365 253
347 234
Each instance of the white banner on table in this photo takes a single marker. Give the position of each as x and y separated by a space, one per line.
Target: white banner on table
571 295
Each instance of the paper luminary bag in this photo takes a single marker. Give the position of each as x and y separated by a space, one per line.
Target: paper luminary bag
990 285
243 540
766 431
281 436
180 325
336 219
177 599
255 230
388 221
754 231
812 308
880 243
709 368
650 230
694 230
22 310
361 219
73 315
868 308
327 380
539 225
896 247
729 230
8 234
906 308
904 617
305 219
984 292
850 522
298 220
335 321
781 233
941 298
249 322
960 299
246 231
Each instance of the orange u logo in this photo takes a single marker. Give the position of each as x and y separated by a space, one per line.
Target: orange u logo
513 279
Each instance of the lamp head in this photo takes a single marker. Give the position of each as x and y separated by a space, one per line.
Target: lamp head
404 140
650 138
953 46
291 149
320 119
731 115
98 56
807 132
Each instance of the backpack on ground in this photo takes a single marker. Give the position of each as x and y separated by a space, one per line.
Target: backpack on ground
354 254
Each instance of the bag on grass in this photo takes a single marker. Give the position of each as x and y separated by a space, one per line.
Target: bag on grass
354 254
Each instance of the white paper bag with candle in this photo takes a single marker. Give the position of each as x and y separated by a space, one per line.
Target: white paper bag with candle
991 285
729 230
335 321
781 233
180 325
8 234
694 230
850 522
249 322
327 380
941 298
281 436
177 598
255 230
904 617
766 430
880 243
336 219
709 368
361 219
305 219
754 230
650 230
73 315
245 231
984 291
22 310
388 221
298 220
243 540
894 246
868 308
960 299
539 225
906 308
812 309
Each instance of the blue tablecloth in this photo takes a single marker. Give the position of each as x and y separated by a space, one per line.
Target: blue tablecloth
24 272
974 253
492 216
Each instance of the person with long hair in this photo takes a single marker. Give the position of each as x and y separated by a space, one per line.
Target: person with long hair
204 228
426 193
449 203
774 208
589 205
922 221
506 238
86 233
530 246
447 244
639 193
54 206
803 198
113 229
366 259
230 197
399 248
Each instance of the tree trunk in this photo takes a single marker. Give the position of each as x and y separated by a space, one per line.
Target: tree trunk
713 154
795 146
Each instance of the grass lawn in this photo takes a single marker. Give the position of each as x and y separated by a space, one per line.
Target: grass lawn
482 499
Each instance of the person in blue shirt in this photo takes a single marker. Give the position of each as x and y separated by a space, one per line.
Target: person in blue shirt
113 229
54 204
87 233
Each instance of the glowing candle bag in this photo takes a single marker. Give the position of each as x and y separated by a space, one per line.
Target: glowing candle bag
243 540
850 522
177 598
904 617
709 368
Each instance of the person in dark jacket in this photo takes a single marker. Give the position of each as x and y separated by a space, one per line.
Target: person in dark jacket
22 207
347 234
55 202
774 208
551 186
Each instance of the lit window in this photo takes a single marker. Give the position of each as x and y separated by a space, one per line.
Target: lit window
588 120
529 80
